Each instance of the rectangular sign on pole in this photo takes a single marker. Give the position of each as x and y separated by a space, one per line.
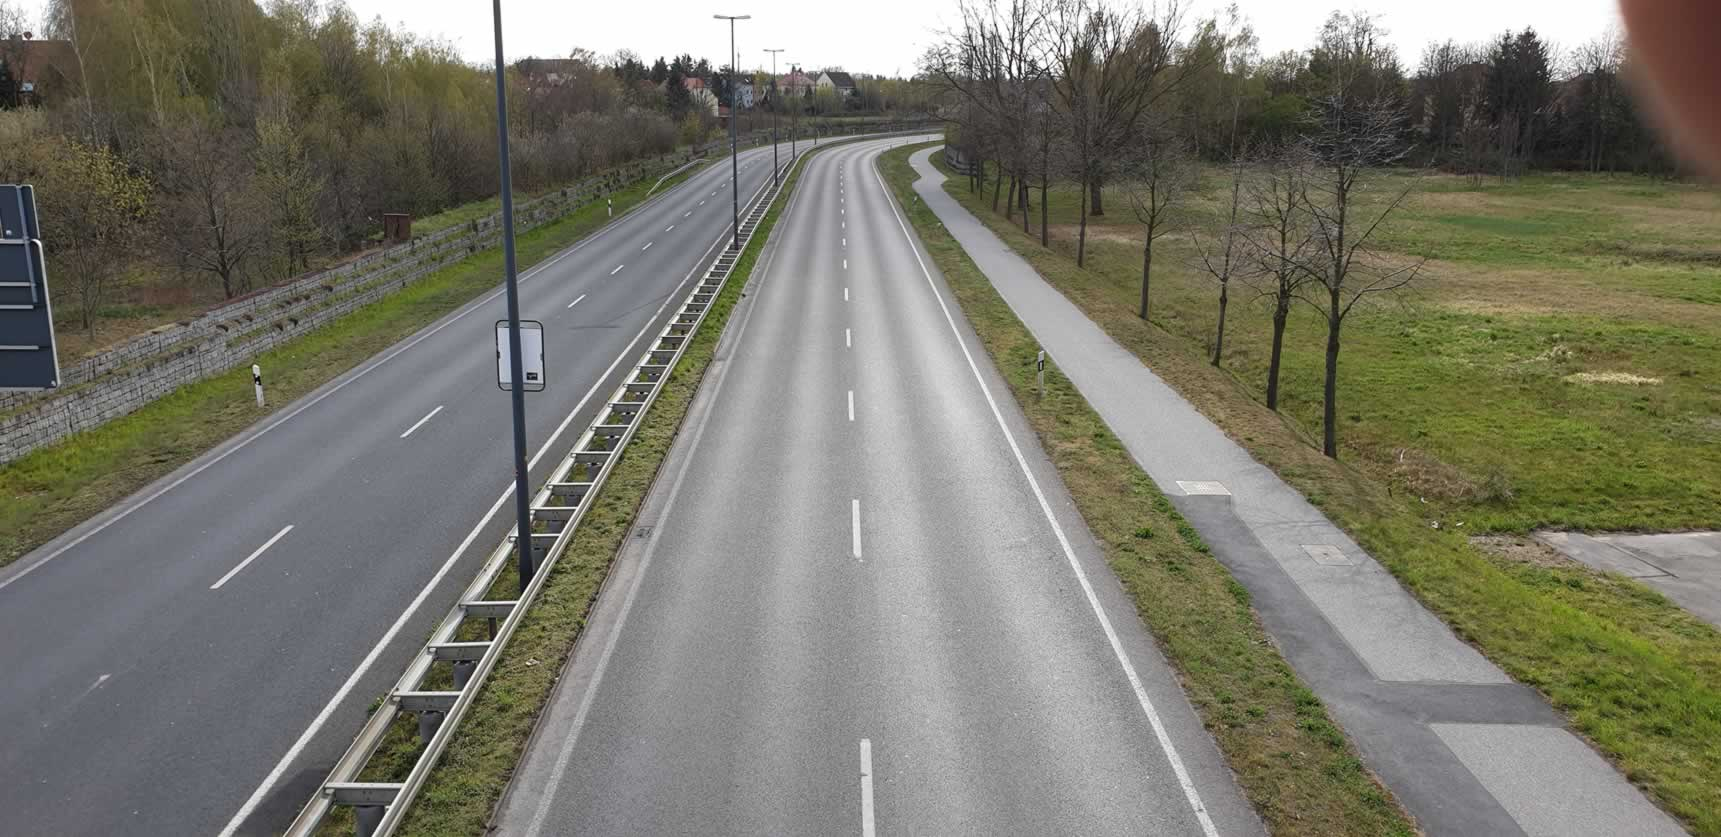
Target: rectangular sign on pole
28 360
531 356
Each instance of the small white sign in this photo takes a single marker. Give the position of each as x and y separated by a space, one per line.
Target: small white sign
531 356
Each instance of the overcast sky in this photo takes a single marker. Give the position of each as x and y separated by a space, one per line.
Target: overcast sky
888 36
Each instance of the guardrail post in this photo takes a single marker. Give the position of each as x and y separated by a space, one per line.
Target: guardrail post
463 672
428 722
366 818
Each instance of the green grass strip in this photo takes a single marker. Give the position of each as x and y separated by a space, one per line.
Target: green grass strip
1294 764
1637 675
52 489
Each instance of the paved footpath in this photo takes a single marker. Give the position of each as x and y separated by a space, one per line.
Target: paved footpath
1466 749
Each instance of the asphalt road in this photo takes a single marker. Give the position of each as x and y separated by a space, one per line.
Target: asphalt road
156 683
863 601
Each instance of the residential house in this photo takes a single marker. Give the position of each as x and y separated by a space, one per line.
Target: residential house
37 67
839 81
796 83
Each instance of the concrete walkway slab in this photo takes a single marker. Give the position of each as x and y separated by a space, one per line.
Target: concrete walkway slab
1386 667
1684 566
1590 799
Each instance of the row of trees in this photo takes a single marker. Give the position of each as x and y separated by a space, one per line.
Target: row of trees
1107 97
200 146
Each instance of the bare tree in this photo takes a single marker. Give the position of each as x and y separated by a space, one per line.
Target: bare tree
1283 242
1349 140
1110 71
215 221
992 60
1157 177
1224 261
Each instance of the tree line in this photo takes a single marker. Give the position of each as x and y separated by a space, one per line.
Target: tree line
203 147
1107 97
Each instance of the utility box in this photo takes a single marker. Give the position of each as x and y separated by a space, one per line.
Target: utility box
396 227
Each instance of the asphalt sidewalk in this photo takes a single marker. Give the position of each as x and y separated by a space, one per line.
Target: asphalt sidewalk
1466 749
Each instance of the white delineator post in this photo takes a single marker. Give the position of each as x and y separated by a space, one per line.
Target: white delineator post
257 382
610 204
1040 367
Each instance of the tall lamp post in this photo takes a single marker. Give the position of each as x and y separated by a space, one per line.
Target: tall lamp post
774 164
516 364
734 111
794 115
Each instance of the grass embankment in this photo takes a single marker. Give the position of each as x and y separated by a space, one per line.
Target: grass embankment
1292 762
464 787
1457 376
55 488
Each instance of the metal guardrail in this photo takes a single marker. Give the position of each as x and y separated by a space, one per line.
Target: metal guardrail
557 509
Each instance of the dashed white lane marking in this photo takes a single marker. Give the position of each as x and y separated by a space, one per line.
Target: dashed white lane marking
851 405
668 228
427 417
854 515
702 203
869 826
1160 733
577 301
617 269
845 294
845 241
252 557
848 339
690 212
845 264
94 686
647 246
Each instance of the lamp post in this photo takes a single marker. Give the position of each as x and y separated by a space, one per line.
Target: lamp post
516 364
774 164
734 111
794 115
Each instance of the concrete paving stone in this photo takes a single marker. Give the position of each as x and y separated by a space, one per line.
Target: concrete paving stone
1552 783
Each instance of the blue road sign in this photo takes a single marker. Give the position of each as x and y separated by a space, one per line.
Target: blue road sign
27 357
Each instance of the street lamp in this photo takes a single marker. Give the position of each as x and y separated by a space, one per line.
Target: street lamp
516 363
794 115
734 110
773 115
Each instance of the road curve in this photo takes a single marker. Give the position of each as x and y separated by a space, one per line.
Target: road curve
864 601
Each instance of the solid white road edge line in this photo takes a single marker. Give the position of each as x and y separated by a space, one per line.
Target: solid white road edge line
21 569
427 416
577 301
1159 731
869 826
252 557
370 659
566 753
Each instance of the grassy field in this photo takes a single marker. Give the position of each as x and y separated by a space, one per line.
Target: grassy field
1459 408
1293 763
462 791
55 488
1470 391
